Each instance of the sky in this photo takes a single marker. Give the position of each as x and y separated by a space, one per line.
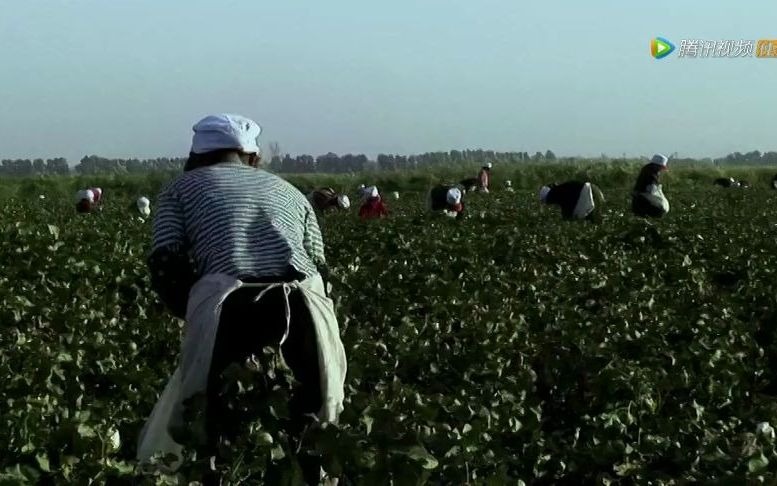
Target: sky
129 78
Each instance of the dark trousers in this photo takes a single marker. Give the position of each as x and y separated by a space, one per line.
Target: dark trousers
245 328
642 207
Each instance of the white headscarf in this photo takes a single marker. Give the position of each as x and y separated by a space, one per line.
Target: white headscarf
144 206
219 132
85 194
659 159
343 201
371 191
453 196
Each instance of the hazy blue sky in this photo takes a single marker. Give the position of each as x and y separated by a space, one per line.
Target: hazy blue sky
129 78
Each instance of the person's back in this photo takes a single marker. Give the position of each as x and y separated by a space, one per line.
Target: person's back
240 221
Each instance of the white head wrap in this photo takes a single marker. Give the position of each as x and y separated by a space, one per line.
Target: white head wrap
489 165
144 205
544 191
659 159
219 132
343 201
371 191
85 194
453 196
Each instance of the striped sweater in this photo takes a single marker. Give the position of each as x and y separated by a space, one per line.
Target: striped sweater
240 221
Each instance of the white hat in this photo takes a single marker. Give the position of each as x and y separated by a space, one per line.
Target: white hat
343 201
85 194
508 183
453 196
544 191
143 202
489 165
361 186
371 191
659 159
219 132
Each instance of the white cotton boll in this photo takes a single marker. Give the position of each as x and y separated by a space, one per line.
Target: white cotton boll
450 214
42 196
482 214
765 430
114 440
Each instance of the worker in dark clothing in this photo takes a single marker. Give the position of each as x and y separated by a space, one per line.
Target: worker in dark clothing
578 200
448 200
648 198
326 198
726 182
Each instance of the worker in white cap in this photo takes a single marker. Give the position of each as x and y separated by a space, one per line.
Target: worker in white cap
144 206
327 198
84 201
484 177
447 199
578 200
238 253
509 186
647 199
372 206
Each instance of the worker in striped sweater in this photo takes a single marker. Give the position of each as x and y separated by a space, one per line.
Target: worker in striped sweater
239 250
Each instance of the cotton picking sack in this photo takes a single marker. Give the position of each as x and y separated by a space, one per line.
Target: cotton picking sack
655 195
202 320
585 202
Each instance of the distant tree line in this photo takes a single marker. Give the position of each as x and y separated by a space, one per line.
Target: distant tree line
333 163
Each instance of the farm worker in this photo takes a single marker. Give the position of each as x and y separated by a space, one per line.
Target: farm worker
144 206
726 182
85 201
509 186
448 199
373 206
578 200
648 198
484 177
327 198
774 182
237 251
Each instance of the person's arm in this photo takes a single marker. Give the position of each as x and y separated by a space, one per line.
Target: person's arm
312 240
173 272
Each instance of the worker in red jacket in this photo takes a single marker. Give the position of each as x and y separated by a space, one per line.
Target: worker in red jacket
373 206
88 200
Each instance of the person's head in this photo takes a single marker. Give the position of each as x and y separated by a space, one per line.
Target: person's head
487 167
508 184
453 197
85 195
371 193
343 202
544 191
660 161
144 206
224 138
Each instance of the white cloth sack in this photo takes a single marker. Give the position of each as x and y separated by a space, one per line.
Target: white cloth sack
585 202
655 196
202 317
